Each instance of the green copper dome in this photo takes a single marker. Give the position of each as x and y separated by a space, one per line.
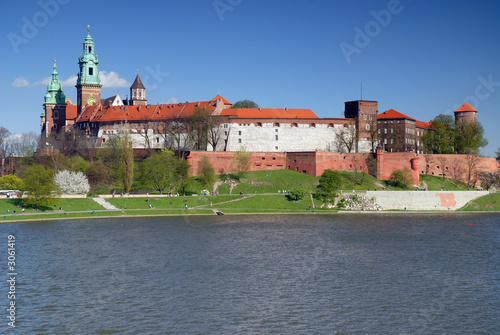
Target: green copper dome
55 94
89 72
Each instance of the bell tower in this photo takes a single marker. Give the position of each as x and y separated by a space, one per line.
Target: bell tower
88 83
54 106
137 92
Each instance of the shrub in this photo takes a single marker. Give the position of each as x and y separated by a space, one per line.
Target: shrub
295 195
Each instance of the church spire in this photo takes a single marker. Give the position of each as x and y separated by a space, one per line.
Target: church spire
88 83
55 93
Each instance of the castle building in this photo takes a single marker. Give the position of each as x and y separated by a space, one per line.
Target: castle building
158 126
400 133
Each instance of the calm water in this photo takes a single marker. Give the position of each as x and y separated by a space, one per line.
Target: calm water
339 274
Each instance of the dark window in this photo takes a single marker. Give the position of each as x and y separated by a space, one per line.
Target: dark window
91 71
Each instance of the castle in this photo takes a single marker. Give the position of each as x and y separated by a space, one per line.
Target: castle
259 130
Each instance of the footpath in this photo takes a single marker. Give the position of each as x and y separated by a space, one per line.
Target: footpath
104 203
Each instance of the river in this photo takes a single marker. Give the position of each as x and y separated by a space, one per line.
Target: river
261 274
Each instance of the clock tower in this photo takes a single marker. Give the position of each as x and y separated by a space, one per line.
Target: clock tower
88 83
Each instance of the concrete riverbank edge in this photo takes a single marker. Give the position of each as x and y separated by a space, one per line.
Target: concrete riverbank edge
29 218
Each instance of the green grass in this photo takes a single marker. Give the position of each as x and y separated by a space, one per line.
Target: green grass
267 202
490 202
435 183
169 202
277 180
8 206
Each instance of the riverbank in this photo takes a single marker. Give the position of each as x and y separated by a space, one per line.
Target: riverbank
78 208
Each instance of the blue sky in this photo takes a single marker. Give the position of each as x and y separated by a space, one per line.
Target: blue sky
421 58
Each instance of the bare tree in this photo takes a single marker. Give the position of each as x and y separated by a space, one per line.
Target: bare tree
442 161
490 179
472 174
146 132
214 131
346 139
4 143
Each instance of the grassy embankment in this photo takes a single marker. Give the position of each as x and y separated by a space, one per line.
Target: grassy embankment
260 195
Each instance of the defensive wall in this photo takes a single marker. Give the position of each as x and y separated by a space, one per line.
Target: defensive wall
424 200
381 164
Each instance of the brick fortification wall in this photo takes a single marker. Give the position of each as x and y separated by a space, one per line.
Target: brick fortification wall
223 162
381 164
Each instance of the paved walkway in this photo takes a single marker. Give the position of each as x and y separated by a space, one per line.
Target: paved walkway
104 203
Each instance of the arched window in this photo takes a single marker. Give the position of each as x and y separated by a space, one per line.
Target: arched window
312 125
259 124
330 125
276 124
294 125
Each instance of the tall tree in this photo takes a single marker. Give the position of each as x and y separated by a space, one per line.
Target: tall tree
346 139
158 172
469 136
206 172
4 142
242 161
118 154
184 178
198 128
440 140
245 104
39 183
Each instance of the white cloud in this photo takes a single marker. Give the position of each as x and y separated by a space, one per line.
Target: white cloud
172 100
71 81
44 81
20 82
112 79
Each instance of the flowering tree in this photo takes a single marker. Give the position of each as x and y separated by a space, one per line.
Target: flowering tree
72 182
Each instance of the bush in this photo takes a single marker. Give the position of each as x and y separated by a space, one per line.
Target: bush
295 195
329 183
401 178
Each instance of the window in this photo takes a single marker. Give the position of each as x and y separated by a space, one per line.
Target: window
364 117
294 125
90 49
385 130
378 130
91 71
56 115
276 124
239 132
392 140
367 126
239 140
276 130
157 140
392 130
225 133
385 141
259 124
276 137
312 125
276 148
133 94
54 126
140 94
330 125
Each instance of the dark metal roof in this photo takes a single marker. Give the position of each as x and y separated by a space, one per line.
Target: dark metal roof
137 83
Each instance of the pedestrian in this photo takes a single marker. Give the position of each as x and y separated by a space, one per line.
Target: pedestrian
185 206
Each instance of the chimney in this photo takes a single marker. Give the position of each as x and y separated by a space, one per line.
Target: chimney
286 108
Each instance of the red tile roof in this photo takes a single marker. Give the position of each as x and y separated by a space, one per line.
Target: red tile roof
270 113
465 108
223 100
145 112
71 111
392 114
423 124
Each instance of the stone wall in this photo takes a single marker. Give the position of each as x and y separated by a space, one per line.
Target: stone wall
424 200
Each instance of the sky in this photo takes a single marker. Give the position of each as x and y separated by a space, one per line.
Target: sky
420 57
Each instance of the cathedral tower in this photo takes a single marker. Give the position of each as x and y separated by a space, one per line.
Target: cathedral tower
54 106
137 92
88 84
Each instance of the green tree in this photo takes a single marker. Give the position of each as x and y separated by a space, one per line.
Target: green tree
184 179
440 140
159 171
469 137
329 184
401 178
295 194
77 164
242 161
39 183
118 154
245 104
11 182
206 175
